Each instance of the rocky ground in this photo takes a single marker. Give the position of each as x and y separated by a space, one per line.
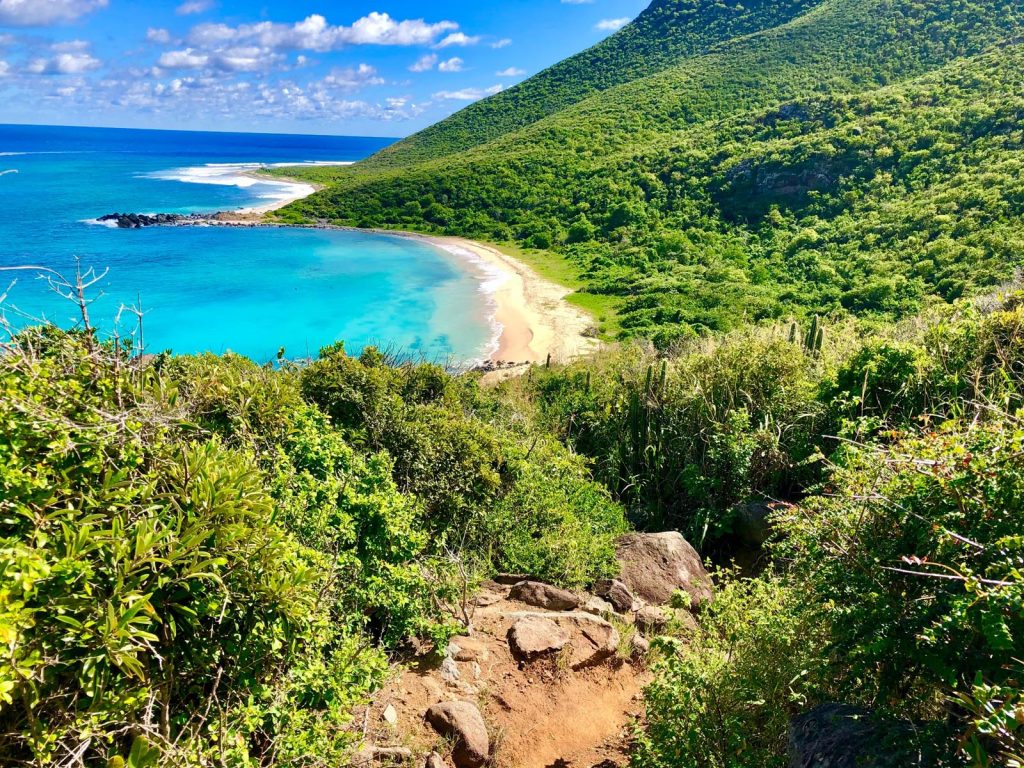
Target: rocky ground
544 677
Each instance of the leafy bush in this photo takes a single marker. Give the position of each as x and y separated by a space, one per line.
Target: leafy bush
722 697
917 557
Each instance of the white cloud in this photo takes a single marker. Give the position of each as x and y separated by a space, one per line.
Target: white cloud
469 94
503 43
241 58
353 78
64 64
424 63
43 13
315 34
511 72
161 36
611 25
458 38
186 59
453 64
193 7
4 68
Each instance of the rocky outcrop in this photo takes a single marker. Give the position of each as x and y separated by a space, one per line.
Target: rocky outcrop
545 596
462 722
656 565
842 736
532 637
140 220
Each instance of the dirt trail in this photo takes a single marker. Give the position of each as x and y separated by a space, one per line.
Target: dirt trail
539 714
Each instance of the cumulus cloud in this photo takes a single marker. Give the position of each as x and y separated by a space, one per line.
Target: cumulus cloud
240 58
43 13
315 34
511 72
352 78
64 64
468 94
453 64
160 36
5 68
611 25
503 43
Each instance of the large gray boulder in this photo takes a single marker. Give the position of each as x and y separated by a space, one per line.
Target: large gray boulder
656 565
532 637
462 722
542 595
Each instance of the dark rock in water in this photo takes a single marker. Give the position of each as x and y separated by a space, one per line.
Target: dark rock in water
843 736
139 220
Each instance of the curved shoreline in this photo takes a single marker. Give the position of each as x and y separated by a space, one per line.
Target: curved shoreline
532 320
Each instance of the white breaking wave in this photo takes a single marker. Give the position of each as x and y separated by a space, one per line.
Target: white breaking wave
4 173
491 279
242 175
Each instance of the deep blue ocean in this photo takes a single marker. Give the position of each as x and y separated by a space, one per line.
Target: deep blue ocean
215 289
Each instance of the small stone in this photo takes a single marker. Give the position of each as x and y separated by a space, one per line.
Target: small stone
640 646
468 649
462 722
598 607
390 715
532 637
651 619
542 595
449 670
616 593
434 760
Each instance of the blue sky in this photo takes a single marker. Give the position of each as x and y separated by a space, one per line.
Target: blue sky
380 68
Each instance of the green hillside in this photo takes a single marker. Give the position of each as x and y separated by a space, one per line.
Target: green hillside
668 31
794 170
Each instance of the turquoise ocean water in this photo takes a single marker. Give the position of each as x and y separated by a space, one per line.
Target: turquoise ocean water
215 289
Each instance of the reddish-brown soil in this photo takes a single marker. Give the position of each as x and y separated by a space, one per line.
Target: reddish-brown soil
538 714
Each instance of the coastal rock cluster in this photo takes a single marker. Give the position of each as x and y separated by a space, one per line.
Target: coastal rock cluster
139 220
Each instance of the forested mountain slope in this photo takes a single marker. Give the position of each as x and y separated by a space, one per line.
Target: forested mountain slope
803 168
665 33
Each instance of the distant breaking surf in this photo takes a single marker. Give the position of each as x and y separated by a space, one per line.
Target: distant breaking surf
241 175
4 173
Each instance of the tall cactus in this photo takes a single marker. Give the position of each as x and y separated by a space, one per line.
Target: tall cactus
814 338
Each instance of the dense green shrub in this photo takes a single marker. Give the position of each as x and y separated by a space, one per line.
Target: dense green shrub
149 596
916 556
722 697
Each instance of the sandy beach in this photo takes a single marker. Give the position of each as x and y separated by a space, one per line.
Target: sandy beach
535 319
